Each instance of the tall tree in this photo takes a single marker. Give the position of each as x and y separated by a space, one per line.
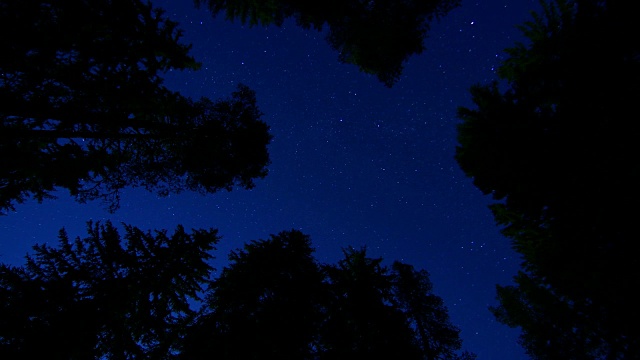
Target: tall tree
377 36
553 145
84 108
555 326
101 297
412 293
377 312
265 304
361 321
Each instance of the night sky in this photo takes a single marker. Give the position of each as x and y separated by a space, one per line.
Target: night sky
353 162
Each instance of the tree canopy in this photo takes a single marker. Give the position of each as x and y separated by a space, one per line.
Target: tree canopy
263 305
554 146
151 295
275 300
377 36
104 296
84 107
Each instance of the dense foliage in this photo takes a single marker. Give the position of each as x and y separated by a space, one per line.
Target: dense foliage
553 143
102 297
276 297
84 108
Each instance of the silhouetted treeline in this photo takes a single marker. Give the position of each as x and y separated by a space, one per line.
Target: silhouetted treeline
105 295
83 107
555 146
140 296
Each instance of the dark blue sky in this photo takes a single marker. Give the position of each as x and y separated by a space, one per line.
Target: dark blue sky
353 162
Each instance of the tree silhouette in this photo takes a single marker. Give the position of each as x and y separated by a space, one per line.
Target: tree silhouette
140 296
374 312
377 36
554 147
361 322
554 326
265 304
100 297
84 108
412 293
275 300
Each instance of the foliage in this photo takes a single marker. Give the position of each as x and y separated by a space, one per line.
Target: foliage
275 300
554 326
133 297
361 322
377 36
102 297
554 146
263 305
412 293
84 108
